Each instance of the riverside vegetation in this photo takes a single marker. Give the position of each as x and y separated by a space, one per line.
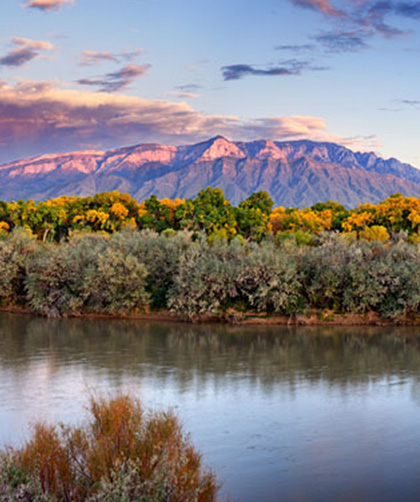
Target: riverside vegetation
122 453
200 257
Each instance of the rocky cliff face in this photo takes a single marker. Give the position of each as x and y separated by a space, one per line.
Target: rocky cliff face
295 173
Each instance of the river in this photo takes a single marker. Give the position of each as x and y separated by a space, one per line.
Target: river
280 413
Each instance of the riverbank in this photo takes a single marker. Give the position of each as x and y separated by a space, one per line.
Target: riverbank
311 318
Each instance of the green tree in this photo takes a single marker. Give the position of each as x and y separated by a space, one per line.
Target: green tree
338 211
210 212
253 216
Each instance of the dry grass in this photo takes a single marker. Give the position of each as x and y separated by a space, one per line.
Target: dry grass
120 454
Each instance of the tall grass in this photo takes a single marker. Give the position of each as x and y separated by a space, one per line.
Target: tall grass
121 453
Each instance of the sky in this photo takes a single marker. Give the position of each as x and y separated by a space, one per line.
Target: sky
100 74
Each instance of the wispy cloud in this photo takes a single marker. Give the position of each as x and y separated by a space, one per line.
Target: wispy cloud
186 91
323 6
115 81
26 50
189 87
406 103
286 68
410 102
47 5
93 58
295 48
183 94
372 16
408 9
342 41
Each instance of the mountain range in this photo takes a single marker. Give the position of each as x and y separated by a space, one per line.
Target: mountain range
294 173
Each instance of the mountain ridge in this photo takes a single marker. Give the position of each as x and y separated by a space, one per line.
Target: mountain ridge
295 173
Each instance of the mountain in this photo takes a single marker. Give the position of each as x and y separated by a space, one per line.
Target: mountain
295 173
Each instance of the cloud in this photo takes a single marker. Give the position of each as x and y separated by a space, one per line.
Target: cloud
186 91
413 103
47 5
92 58
39 45
367 15
38 117
408 9
287 68
26 50
373 17
405 9
295 48
323 6
189 87
115 81
183 94
342 41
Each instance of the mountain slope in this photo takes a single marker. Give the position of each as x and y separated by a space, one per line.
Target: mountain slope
295 173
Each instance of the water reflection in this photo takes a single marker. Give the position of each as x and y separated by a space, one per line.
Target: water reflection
336 355
282 413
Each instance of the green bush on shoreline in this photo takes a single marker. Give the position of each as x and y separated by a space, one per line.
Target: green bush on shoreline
186 273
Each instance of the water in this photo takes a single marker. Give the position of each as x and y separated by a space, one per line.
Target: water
281 414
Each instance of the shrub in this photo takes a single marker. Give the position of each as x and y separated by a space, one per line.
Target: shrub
8 271
160 254
193 275
115 283
121 453
205 282
269 279
212 279
14 252
56 274
324 273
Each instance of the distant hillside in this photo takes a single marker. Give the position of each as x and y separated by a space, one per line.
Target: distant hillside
295 173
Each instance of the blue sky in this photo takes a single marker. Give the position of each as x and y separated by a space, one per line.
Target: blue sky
99 74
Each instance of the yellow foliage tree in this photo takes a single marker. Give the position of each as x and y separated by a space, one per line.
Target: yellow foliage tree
4 227
376 233
307 220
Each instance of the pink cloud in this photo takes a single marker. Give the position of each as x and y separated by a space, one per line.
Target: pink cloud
115 81
26 50
92 58
38 117
323 6
47 5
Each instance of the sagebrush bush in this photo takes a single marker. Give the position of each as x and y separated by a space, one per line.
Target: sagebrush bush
269 279
192 275
56 275
15 250
325 274
8 271
205 282
115 282
122 453
160 254
361 277
212 279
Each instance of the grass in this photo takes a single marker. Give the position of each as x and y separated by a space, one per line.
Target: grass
120 454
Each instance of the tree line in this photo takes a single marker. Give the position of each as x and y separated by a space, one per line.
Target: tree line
254 219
